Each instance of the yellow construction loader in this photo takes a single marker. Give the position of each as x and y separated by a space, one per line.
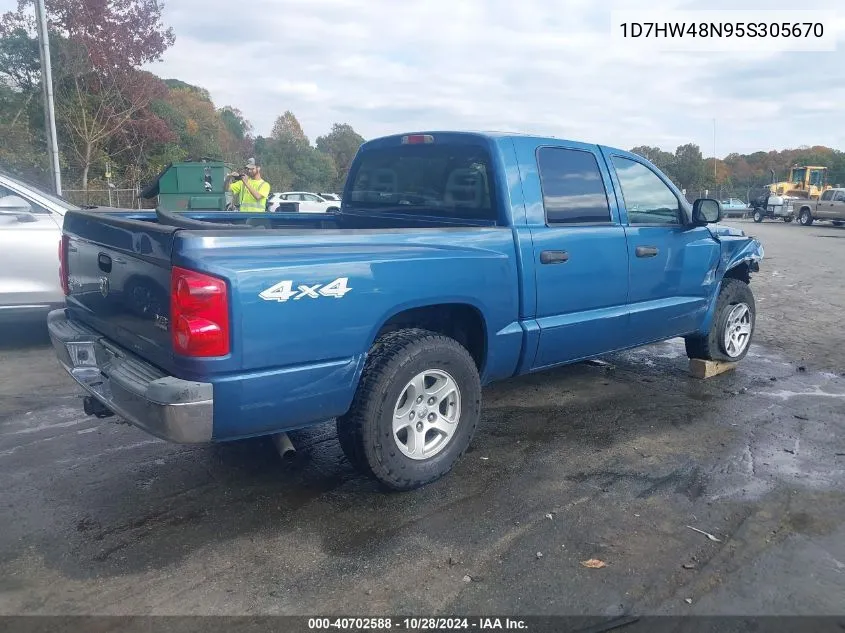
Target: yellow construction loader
805 182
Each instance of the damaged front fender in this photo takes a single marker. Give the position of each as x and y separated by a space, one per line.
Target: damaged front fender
740 257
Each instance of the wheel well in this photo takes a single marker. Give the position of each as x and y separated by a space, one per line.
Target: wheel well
741 271
461 322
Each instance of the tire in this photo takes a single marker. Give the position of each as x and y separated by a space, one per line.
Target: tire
758 216
805 217
837 223
332 210
788 219
733 296
366 431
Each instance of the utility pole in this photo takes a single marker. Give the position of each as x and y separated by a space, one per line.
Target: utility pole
714 150
47 85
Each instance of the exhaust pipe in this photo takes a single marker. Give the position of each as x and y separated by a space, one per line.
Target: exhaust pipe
284 446
92 406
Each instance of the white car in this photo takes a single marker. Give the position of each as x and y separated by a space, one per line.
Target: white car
308 202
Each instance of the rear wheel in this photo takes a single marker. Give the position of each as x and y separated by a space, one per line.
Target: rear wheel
758 216
805 218
415 411
788 219
730 335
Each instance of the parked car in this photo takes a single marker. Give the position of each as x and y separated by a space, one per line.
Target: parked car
30 231
829 207
734 207
459 259
308 202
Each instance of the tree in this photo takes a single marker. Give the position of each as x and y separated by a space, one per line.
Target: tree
240 131
688 167
664 161
341 143
95 109
312 171
287 129
98 45
117 35
20 64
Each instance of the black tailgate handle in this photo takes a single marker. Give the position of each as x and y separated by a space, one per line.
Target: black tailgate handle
104 262
554 257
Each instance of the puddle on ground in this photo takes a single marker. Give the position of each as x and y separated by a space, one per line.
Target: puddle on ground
785 394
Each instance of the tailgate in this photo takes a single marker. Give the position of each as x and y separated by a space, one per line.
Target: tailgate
119 280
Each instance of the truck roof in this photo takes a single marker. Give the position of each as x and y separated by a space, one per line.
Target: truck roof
492 135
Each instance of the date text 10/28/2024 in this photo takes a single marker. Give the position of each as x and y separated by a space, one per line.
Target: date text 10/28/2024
417 624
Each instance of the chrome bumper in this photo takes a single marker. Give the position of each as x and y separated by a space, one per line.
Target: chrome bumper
176 410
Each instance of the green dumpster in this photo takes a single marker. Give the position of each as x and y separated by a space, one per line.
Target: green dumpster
189 186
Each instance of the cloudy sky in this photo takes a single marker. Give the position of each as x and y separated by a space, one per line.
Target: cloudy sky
537 66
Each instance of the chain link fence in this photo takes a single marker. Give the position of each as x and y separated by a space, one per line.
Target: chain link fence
113 197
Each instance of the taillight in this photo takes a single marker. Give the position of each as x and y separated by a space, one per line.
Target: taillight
63 271
199 314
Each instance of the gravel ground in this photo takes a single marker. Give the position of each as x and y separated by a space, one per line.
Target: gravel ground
615 463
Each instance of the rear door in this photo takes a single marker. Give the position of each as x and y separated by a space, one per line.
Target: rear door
312 204
29 255
837 207
825 205
671 263
580 253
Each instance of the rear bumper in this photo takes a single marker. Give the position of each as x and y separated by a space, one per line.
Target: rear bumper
172 409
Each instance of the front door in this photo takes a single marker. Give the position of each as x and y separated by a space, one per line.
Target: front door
580 253
824 207
672 264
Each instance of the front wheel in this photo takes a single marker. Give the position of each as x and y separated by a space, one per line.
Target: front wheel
758 216
730 335
805 218
415 411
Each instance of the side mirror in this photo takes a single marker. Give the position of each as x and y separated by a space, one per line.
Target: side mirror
14 205
706 211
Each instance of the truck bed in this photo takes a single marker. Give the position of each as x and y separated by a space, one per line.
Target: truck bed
307 337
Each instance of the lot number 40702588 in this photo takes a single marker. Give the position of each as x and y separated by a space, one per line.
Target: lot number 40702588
284 290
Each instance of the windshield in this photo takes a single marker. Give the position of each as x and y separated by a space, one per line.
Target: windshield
33 189
798 175
817 177
447 180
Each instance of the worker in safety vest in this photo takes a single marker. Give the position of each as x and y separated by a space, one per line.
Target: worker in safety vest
249 190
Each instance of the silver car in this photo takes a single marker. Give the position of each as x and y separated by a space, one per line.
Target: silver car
30 232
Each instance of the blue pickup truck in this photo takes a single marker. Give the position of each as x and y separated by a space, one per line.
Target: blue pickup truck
457 259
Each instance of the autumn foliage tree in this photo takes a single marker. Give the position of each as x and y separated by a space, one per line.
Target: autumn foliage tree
341 143
99 46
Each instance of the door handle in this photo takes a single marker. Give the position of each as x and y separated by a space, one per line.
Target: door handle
646 251
554 257
104 262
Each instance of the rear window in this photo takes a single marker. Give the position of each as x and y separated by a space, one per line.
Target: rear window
447 180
